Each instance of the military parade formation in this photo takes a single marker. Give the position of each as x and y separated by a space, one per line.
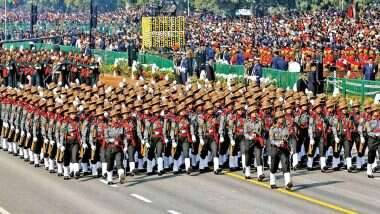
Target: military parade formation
161 127
40 68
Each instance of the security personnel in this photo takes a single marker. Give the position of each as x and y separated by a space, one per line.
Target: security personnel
280 151
253 142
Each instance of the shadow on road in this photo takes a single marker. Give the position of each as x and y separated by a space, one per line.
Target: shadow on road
312 185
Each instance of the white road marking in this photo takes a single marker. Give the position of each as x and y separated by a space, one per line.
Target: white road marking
141 198
173 212
105 182
3 211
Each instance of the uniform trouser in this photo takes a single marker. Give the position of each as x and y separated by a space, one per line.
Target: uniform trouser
346 144
318 143
52 151
95 154
303 139
138 147
167 149
155 150
114 154
86 155
182 146
323 147
102 154
252 147
195 146
279 154
360 147
225 145
45 147
71 154
267 143
373 146
37 146
295 144
11 135
131 152
210 145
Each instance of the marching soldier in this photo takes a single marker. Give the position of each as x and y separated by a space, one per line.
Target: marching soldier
154 138
364 117
373 131
115 144
253 142
235 131
280 152
357 132
317 135
70 144
290 124
182 132
37 139
139 119
344 137
209 136
129 126
302 123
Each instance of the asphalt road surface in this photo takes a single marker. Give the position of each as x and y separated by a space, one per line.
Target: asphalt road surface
25 189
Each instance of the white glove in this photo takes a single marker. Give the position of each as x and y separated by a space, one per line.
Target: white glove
233 142
336 140
17 131
46 141
34 139
28 135
193 138
202 142
166 140
6 125
147 145
125 149
22 133
221 139
174 144
93 147
52 142
142 142
62 148
12 127
312 141
84 146
362 140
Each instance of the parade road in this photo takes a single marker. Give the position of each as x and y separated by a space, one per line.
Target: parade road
25 189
